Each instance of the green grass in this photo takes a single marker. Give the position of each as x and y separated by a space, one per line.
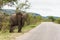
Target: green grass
11 36
27 28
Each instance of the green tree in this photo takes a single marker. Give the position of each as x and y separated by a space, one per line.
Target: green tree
57 20
4 2
3 16
51 18
22 6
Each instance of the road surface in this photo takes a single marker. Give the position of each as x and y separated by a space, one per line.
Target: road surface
45 31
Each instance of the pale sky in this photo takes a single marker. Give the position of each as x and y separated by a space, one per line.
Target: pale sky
43 7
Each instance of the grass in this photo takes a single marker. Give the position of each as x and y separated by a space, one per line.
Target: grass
11 36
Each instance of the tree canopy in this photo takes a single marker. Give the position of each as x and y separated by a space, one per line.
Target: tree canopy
51 18
22 6
3 2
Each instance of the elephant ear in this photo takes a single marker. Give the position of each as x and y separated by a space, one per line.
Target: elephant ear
25 16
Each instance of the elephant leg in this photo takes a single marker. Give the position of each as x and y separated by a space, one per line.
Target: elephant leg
19 28
11 28
22 24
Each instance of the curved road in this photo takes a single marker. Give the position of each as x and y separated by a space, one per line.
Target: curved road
45 31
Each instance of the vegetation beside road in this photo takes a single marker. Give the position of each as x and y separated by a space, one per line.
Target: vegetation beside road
51 19
11 36
33 21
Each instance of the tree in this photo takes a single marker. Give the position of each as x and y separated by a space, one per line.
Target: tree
2 15
57 20
4 2
51 18
23 6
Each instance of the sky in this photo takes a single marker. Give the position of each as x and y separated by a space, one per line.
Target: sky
43 7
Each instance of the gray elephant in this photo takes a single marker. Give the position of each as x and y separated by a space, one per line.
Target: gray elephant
17 19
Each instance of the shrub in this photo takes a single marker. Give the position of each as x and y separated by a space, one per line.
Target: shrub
51 18
57 20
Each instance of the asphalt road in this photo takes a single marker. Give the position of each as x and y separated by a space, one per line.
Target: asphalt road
45 31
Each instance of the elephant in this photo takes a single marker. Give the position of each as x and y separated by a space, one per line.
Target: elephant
17 19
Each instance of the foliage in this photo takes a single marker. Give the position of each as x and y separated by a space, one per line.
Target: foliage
57 20
46 20
51 18
33 19
30 20
4 2
11 36
22 6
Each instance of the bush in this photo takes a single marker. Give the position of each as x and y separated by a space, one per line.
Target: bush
51 18
34 19
57 20
4 21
